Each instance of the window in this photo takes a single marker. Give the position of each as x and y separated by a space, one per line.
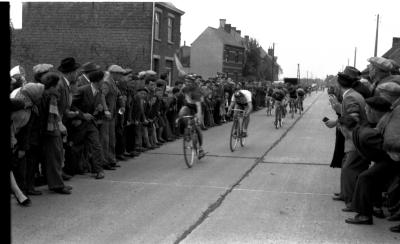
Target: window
169 66
156 65
170 29
237 57
157 26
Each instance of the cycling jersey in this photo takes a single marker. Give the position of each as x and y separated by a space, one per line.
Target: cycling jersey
300 92
278 95
247 96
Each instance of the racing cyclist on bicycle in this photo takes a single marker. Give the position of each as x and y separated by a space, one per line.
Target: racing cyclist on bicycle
292 97
192 107
241 99
300 95
279 95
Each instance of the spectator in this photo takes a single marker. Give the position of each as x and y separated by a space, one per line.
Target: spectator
86 69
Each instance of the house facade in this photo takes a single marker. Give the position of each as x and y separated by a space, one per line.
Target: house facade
218 50
138 35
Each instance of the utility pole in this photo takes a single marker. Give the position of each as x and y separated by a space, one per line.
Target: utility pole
273 60
355 57
376 37
298 72
348 62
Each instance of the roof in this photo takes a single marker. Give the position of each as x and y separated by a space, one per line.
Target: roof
393 53
226 38
171 6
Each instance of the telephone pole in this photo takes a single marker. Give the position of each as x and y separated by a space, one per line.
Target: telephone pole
376 37
355 57
298 72
273 60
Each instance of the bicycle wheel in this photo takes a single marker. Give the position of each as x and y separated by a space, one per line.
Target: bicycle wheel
233 139
189 149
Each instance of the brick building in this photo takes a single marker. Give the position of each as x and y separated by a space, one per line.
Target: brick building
218 50
138 35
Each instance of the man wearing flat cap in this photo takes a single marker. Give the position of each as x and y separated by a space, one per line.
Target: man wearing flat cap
86 69
367 197
85 134
380 70
353 104
110 97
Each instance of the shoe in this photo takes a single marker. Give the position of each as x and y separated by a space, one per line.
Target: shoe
62 190
115 165
244 134
170 139
336 194
134 153
33 192
159 143
27 202
108 167
378 213
68 187
338 198
395 229
120 158
360 220
99 175
140 149
161 140
201 153
66 177
394 217
348 209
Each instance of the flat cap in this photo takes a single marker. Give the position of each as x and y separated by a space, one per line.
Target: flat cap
382 63
116 69
378 103
89 67
42 68
96 76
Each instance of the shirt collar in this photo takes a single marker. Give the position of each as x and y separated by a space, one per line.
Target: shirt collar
94 90
67 81
345 92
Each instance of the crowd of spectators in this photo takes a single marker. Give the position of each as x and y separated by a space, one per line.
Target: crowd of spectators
367 147
85 119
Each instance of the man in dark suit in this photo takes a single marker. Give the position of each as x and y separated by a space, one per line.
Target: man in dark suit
87 101
353 104
67 85
88 67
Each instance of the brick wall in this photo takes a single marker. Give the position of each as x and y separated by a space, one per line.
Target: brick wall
102 32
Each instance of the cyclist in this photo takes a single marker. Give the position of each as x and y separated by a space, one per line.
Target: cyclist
292 98
192 107
268 98
241 99
300 95
279 95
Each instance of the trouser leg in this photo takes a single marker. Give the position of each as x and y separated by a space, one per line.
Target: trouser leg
53 154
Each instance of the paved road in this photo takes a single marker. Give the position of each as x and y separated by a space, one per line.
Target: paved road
277 189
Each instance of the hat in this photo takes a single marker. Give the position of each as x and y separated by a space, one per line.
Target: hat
128 71
151 72
378 103
143 89
68 65
90 66
15 71
348 76
141 74
116 69
42 68
381 63
96 76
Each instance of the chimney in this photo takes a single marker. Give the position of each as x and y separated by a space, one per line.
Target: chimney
270 52
396 42
227 28
239 32
184 43
222 23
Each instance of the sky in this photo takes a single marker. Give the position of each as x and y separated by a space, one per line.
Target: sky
321 35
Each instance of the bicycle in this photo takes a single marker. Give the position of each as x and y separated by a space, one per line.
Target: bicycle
292 107
237 130
278 115
269 105
300 104
190 141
